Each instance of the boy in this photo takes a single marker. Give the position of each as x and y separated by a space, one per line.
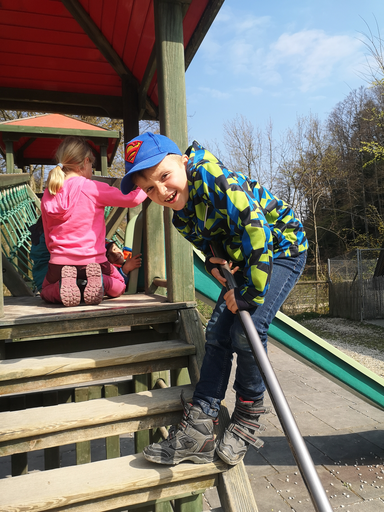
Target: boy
258 232
123 261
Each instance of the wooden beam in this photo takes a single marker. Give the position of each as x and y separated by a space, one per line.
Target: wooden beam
201 30
130 110
93 32
10 180
146 82
61 102
97 37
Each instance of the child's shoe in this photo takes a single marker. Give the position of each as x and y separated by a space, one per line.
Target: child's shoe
69 291
241 432
94 289
193 440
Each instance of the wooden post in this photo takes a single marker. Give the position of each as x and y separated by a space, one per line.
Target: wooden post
51 455
83 449
112 443
153 246
9 160
143 437
104 160
173 123
19 461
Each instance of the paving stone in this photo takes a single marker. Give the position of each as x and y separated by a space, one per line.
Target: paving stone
310 425
365 481
371 505
339 429
345 417
267 497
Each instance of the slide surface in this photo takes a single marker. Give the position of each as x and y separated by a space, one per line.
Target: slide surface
302 344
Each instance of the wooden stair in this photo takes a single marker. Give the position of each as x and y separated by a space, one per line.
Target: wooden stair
156 346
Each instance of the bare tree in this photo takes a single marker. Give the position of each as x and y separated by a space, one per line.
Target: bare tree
243 146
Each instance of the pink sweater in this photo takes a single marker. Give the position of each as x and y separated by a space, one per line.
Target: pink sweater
73 219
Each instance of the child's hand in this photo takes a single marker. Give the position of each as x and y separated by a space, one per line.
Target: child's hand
230 301
132 263
216 272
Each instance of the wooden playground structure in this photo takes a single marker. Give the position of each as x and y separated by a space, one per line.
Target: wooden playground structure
74 375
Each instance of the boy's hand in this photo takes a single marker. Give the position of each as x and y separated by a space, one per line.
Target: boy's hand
132 263
230 301
216 272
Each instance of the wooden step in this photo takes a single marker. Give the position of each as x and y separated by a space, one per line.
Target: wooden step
105 485
58 425
43 372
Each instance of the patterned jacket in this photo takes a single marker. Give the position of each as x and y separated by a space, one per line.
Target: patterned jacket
253 226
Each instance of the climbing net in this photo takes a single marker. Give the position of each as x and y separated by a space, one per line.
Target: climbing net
17 213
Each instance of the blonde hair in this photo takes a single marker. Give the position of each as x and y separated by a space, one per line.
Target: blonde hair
71 155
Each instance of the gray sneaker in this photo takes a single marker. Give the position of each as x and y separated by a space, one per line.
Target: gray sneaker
240 433
192 440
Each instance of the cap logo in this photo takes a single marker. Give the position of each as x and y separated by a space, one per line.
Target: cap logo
131 150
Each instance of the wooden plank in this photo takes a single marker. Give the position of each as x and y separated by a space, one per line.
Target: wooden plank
38 428
192 503
123 481
22 314
79 343
10 180
107 373
11 369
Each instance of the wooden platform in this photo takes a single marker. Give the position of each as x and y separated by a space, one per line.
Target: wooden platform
60 370
22 315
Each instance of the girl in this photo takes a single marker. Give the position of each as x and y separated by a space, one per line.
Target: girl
72 210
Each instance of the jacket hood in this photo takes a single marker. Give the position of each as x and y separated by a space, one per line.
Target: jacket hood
61 205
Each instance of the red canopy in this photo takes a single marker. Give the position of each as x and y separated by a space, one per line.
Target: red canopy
35 139
73 55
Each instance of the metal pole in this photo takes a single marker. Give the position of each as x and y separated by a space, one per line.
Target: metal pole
292 433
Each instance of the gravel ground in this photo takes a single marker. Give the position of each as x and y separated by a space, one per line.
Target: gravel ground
363 342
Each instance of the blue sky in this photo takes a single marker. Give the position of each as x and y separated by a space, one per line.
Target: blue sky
277 60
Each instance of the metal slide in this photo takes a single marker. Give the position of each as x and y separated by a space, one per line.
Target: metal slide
305 346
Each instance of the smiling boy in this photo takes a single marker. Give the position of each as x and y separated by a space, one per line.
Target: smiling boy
258 232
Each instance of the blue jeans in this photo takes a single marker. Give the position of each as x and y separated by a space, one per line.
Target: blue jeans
225 335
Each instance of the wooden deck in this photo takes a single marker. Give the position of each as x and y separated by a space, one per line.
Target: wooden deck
30 316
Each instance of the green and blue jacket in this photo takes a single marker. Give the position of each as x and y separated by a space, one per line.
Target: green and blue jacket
252 225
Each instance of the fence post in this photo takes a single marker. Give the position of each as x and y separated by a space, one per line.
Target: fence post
360 281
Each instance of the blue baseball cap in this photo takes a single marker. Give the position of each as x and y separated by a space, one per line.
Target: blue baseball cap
145 151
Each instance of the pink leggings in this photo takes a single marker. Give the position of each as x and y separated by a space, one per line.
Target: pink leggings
114 284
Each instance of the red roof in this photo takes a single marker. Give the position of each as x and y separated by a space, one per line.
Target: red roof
36 139
71 55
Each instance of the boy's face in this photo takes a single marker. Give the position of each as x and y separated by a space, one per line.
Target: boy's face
115 255
166 183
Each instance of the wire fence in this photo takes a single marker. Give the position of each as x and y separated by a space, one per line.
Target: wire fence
356 288
310 295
